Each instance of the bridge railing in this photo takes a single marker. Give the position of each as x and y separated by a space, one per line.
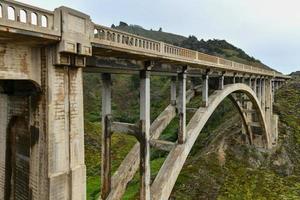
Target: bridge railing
21 16
127 41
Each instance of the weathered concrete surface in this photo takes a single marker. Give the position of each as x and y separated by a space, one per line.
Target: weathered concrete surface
20 62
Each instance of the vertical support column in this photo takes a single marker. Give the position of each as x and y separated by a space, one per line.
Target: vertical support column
259 89
221 82
269 101
234 78
63 126
145 175
255 85
173 90
3 135
263 94
182 107
205 90
106 136
250 82
273 89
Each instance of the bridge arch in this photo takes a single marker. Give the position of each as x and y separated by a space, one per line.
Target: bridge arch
169 172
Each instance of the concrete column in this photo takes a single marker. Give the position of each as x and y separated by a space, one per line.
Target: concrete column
255 85
234 79
3 134
268 98
106 137
273 89
173 90
182 107
250 82
259 85
205 90
221 82
263 94
63 100
145 176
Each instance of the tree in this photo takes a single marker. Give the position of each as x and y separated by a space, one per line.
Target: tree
122 24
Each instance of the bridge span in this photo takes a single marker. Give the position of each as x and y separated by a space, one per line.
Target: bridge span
43 55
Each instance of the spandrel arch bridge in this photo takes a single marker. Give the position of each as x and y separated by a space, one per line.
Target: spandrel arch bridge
42 57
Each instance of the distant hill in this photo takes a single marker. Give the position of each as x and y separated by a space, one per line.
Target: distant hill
213 46
155 35
296 73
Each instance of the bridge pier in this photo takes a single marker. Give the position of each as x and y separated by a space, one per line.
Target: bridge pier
145 176
106 136
205 79
173 90
64 101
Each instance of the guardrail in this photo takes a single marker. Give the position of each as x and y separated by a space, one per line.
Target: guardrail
21 16
127 41
27 19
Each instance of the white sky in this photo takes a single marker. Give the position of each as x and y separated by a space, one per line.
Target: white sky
269 30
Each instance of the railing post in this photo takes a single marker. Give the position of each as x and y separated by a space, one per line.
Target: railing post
182 106
205 89
106 136
145 176
173 90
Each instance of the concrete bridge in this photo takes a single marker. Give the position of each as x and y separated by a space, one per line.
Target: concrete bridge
43 55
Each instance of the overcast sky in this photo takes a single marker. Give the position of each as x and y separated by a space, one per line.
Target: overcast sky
269 30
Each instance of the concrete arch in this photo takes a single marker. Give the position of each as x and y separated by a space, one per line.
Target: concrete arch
167 176
26 86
